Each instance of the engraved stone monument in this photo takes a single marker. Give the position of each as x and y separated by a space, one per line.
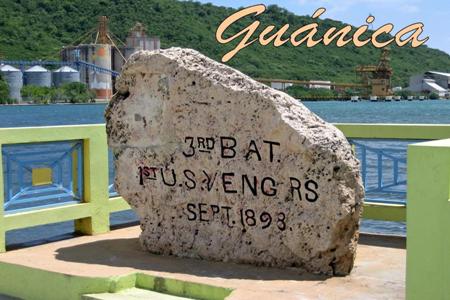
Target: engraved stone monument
221 167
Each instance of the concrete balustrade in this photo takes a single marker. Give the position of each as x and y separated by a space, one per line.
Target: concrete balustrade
91 216
427 212
428 221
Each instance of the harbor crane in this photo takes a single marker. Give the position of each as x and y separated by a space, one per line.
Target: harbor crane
377 77
374 80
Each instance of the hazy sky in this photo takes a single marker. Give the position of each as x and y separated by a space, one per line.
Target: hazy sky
435 14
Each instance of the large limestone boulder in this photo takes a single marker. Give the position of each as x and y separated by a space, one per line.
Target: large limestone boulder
221 167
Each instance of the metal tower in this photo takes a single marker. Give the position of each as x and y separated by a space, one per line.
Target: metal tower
377 77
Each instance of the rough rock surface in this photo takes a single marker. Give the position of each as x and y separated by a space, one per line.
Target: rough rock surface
221 167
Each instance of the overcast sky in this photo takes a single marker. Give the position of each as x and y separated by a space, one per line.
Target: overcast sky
435 14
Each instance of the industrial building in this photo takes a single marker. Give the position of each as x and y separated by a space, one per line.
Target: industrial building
97 54
108 52
374 80
319 84
14 79
431 82
95 61
280 85
136 40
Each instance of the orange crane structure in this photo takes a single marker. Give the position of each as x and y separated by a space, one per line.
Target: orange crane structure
377 77
374 80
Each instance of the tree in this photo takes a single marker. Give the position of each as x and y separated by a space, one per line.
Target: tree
74 92
4 91
77 92
404 93
62 22
37 94
433 96
300 92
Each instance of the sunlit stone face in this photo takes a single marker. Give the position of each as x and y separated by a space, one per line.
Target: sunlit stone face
223 168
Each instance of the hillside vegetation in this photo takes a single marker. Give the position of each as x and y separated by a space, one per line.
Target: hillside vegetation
32 29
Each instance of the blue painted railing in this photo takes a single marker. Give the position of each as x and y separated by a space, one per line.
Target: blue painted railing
82 64
76 64
111 189
62 163
383 170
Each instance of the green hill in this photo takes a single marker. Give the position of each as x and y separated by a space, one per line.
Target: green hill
32 29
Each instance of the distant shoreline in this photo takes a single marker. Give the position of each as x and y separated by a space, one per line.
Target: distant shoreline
61 103
300 100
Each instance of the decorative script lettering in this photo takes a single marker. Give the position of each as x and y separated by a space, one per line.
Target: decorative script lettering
307 34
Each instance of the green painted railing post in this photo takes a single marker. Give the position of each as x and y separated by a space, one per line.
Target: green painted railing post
95 184
2 211
428 221
2 233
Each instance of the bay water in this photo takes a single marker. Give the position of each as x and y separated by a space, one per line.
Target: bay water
409 112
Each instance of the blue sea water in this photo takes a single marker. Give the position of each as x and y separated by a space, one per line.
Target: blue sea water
426 112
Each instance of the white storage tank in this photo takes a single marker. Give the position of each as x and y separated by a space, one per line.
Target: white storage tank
14 78
38 76
65 75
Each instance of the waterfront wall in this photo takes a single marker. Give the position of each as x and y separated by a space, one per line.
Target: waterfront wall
91 212
428 221
427 212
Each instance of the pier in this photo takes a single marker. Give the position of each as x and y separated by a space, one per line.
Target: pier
67 180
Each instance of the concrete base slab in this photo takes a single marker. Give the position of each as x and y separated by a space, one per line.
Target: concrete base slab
132 294
4 297
379 271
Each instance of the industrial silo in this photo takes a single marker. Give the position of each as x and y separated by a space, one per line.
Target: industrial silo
100 82
139 40
77 53
96 54
14 78
119 57
38 76
155 43
65 75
